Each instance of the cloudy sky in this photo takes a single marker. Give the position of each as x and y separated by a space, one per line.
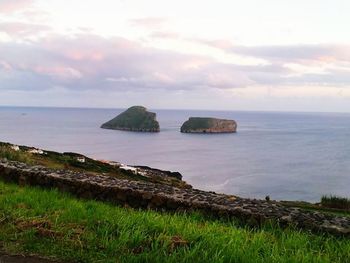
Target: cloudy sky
189 54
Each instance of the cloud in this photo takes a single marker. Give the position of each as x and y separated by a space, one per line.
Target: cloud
11 6
19 29
223 44
316 64
5 66
295 53
149 22
165 35
91 62
322 53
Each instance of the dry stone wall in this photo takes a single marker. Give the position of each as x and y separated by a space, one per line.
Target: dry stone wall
140 194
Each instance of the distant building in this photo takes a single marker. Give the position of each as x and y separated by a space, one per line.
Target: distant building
114 163
128 168
15 148
36 151
81 159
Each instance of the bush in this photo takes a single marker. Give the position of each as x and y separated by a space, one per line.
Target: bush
12 155
333 201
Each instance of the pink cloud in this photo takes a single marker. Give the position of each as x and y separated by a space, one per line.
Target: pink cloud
18 29
36 15
10 6
84 55
61 72
93 62
165 35
5 66
149 22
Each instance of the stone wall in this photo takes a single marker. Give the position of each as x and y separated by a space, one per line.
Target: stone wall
140 194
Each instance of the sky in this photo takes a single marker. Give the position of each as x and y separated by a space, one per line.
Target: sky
269 55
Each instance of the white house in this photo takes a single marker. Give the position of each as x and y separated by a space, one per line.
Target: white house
81 159
36 151
15 148
114 163
128 168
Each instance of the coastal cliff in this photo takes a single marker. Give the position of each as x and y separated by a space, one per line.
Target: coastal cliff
208 125
136 118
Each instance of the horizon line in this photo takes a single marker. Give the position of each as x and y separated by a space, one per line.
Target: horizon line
170 109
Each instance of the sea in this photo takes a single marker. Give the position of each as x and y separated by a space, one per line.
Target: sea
287 156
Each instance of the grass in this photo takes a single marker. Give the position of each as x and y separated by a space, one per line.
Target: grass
195 123
337 202
9 154
55 160
53 224
134 118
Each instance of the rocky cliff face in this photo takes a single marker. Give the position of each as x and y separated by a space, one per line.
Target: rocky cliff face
136 118
208 125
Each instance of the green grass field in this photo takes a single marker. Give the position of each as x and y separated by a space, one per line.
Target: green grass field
53 224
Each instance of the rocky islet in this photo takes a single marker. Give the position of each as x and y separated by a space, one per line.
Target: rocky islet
208 125
138 118
135 118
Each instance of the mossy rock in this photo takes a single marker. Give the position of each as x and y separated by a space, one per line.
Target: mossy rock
136 118
208 125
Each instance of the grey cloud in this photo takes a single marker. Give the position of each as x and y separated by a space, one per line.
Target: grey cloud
296 52
18 29
92 62
285 53
333 78
334 59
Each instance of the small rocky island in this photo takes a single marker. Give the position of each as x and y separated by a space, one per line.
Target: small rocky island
136 118
208 125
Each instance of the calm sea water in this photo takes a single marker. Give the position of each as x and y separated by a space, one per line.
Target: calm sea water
294 156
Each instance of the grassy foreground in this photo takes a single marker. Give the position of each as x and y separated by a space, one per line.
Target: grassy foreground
53 224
